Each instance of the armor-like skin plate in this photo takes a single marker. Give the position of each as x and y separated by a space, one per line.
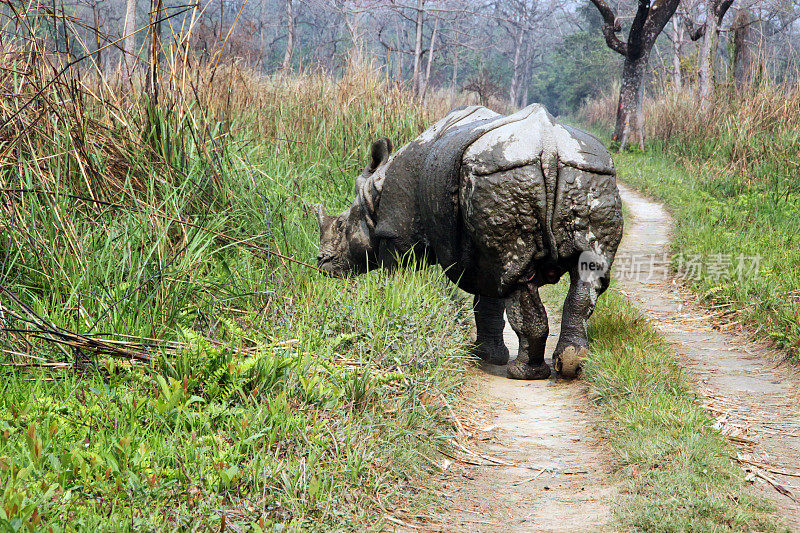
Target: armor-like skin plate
505 204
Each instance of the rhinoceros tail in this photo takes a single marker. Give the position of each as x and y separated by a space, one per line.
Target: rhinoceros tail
549 162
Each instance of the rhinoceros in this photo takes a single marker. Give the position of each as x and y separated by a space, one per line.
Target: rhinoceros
505 204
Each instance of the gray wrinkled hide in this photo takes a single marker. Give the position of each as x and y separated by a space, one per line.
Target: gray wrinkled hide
505 204
489 197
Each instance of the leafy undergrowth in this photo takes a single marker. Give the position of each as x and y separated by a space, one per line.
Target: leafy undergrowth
289 432
171 359
741 236
676 468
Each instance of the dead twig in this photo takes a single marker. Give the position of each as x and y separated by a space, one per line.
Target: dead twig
759 472
769 468
455 419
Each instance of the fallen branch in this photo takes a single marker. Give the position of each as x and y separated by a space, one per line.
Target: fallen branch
769 468
777 486
760 473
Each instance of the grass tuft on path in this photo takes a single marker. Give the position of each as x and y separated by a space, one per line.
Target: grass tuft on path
720 218
677 471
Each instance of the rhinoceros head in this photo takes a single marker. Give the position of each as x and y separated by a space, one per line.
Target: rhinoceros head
347 242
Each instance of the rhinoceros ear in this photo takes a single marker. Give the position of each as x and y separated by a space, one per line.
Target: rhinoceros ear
381 150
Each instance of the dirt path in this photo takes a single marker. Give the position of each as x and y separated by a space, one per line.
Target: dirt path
532 459
753 396
539 465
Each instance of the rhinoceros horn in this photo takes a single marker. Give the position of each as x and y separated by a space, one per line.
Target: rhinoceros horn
322 217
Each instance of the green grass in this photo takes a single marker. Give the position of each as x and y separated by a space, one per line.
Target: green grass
295 433
721 214
277 398
675 469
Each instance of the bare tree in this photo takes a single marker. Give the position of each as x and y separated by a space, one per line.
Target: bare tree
128 61
290 29
742 53
430 56
416 79
708 31
518 17
677 53
649 21
455 69
96 28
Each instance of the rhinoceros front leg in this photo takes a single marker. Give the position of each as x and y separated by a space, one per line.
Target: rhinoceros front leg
573 343
528 317
489 323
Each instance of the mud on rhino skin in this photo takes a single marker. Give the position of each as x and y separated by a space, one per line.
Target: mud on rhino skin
505 204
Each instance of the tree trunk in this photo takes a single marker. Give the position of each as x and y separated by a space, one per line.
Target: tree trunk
455 69
630 111
677 53
287 57
705 69
98 56
399 38
512 96
221 22
526 78
261 47
128 59
400 62
354 29
430 58
416 79
156 7
646 26
742 55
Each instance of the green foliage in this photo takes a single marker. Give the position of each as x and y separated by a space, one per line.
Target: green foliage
279 435
720 212
576 69
277 398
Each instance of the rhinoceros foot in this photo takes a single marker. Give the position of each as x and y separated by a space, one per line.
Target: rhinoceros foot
522 370
568 362
493 352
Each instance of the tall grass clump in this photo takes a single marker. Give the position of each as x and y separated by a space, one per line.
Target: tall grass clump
676 468
171 359
751 132
731 176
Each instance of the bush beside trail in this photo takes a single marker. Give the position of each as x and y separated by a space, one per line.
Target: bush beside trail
171 359
730 176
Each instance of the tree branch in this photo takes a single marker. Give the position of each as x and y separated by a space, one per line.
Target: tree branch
611 27
695 32
638 32
721 8
660 13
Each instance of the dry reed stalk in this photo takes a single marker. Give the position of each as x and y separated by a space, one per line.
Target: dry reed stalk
86 135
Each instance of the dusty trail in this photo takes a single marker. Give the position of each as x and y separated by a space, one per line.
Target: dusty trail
753 396
532 459
557 475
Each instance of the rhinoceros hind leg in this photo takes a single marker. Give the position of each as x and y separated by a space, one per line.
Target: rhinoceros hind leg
528 318
489 322
573 343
